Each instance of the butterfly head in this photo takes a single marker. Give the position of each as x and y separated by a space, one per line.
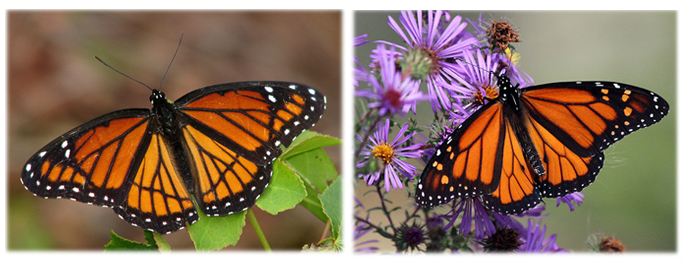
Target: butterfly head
157 97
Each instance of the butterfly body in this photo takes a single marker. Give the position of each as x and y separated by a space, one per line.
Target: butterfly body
212 148
535 142
510 98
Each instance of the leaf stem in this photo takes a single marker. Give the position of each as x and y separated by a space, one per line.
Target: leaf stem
257 228
325 230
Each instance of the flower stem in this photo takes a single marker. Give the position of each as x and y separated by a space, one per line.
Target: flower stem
257 228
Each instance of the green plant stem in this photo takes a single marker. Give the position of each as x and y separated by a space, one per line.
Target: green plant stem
257 228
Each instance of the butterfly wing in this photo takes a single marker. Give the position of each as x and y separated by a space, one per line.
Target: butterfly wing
516 191
97 163
158 199
234 131
571 123
468 162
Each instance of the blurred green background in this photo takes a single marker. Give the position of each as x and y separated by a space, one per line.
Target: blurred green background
55 84
634 196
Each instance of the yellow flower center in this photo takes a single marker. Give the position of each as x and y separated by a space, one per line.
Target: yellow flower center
383 152
491 93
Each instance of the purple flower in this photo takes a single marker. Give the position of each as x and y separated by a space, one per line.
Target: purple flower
478 84
361 40
409 237
511 221
393 92
533 239
472 210
360 73
390 155
431 48
569 199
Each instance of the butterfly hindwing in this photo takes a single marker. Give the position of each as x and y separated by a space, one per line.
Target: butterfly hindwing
158 199
566 171
227 182
516 191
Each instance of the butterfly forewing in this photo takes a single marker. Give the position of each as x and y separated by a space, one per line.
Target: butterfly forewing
590 116
453 170
86 164
253 117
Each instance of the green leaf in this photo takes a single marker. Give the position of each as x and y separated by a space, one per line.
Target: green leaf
216 232
332 205
118 243
313 204
314 167
284 192
163 246
308 141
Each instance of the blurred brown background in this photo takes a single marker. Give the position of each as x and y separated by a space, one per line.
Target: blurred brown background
55 84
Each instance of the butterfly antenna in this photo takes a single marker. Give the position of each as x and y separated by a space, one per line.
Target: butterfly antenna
123 74
478 67
171 61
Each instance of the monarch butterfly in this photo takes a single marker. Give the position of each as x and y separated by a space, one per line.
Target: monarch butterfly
215 143
540 141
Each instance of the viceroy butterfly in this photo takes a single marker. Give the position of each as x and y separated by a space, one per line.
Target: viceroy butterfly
215 144
534 142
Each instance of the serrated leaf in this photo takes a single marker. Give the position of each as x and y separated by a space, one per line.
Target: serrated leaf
332 205
216 232
118 243
285 191
308 141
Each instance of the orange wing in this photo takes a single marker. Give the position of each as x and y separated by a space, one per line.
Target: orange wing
560 127
102 163
157 199
468 163
516 191
572 123
137 162
234 131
